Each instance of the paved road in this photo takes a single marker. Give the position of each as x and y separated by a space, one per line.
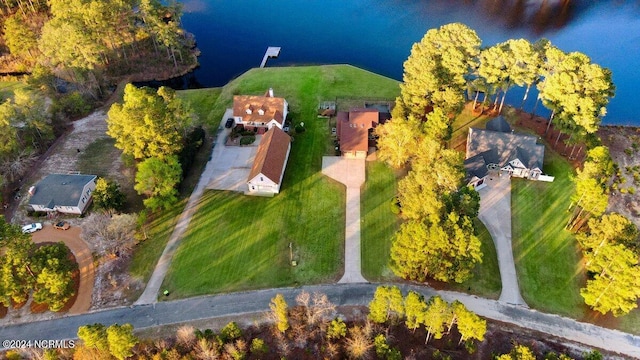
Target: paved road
495 214
351 173
164 313
150 294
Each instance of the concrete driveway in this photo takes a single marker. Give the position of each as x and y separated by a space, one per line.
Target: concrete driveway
350 172
495 214
230 165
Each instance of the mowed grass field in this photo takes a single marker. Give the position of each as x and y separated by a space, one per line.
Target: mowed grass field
378 223
548 259
236 242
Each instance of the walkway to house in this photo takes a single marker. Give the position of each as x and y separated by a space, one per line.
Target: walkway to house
351 173
495 214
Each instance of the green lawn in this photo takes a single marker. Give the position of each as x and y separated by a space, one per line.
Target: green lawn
378 222
202 102
548 260
236 242
159 228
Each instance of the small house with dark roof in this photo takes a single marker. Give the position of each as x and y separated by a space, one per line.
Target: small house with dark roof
260 113
269 164
355 131
69 194
497 148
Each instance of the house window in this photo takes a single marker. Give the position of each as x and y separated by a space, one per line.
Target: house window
261 112
253 187
261 178
249 111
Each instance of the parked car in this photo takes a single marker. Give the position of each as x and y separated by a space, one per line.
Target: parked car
61 225
229 123
28 229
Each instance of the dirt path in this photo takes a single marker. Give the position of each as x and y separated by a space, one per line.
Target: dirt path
81 251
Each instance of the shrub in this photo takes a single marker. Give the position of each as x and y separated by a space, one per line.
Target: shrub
337 329
229 332
258 346
247 140
382 348
632 190
73 105
300 129
628 152
192 143
395 206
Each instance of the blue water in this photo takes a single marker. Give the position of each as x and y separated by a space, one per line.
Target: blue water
377 35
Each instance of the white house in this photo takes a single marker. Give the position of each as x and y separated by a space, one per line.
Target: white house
70 194
260 113
269 164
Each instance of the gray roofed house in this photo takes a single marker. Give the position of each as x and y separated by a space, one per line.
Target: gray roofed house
498 148
70 194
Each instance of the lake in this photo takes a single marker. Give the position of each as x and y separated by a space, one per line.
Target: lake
377 35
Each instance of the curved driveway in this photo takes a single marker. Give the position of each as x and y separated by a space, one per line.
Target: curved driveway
164 313
84 258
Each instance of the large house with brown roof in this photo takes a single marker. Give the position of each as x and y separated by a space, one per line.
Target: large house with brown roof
355 131
260 113
269 164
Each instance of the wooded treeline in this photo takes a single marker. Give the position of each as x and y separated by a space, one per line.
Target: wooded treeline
89 43
447 68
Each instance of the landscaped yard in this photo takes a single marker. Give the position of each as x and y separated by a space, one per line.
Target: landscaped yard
548 260
237 242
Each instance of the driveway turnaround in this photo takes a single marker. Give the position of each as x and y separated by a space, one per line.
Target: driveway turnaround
231 164
350 172
495 214
254 303
80 250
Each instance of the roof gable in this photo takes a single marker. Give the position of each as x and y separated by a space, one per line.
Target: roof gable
271 156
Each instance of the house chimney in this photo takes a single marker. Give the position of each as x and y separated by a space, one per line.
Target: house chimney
270 92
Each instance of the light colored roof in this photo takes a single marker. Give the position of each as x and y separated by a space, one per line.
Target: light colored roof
60 190
272 108
271 156
354 128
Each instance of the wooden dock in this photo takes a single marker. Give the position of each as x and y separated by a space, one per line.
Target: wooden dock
272 52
